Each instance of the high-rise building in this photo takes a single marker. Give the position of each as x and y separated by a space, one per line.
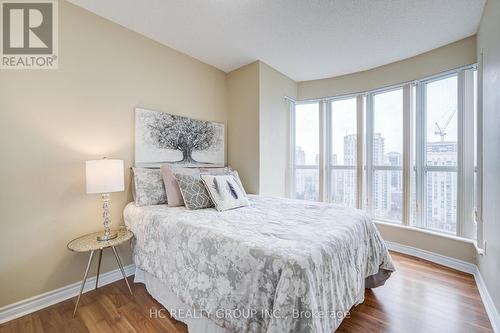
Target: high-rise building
441 186
300 156
381 179
350 149
378 149
334 159
395 159
306 181
396 186
349 176
441 203
306 184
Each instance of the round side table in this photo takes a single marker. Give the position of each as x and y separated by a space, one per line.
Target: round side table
89 243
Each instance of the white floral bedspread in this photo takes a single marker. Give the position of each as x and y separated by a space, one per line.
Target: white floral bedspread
278 265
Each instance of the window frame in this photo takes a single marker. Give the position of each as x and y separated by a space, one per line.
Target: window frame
478 209
465 153
421 157
371 168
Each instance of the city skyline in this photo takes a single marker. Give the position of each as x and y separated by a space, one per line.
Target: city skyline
441 187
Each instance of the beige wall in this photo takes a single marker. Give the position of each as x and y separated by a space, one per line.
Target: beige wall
439 60
51 121
450 247
258 126
489 44
243 124
274 129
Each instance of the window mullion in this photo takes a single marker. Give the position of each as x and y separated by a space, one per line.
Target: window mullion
359 152
479 147
369 154
420 137
407 151
328 150
290 190
438 168
466 154
322 147
460 183
387 167
307 167
342 167
460 147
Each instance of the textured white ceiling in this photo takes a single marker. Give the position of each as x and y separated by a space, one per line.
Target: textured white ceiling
304 39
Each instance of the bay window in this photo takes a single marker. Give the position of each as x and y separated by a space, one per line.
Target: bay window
406 154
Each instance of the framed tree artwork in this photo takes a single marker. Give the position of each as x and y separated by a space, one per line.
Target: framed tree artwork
166 138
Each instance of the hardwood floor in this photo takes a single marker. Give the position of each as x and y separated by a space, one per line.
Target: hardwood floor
419 297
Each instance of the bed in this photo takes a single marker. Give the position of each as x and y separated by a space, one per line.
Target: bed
277 265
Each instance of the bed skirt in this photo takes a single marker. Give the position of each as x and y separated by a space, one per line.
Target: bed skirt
195 322
180 311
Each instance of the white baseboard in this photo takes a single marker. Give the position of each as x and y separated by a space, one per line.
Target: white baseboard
459 265
27 306
491 310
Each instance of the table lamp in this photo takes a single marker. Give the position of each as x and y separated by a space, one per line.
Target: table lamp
103 177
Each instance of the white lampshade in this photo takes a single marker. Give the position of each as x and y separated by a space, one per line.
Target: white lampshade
104 176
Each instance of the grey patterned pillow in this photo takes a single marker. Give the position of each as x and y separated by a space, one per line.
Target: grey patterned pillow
149 187
193 191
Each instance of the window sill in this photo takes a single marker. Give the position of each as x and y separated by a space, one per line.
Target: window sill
480 251
429 232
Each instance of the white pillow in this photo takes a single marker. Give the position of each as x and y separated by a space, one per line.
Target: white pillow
225 191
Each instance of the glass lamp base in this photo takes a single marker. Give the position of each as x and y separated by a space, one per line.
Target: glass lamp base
102 237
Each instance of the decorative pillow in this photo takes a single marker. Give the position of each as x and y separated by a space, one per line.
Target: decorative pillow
148 187
225 191
236 176
193 191
216 171
171 187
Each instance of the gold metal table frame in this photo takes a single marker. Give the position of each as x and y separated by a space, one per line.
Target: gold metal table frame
89 243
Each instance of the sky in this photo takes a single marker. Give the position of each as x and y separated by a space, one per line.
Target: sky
343 123
441 103
388 119
307 130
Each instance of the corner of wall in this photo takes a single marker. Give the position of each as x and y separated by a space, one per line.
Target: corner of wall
242 88
488 44
274 135
258 126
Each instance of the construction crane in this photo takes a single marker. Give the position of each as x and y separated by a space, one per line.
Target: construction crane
440 130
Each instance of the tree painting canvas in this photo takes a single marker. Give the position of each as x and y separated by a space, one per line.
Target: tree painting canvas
165 138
